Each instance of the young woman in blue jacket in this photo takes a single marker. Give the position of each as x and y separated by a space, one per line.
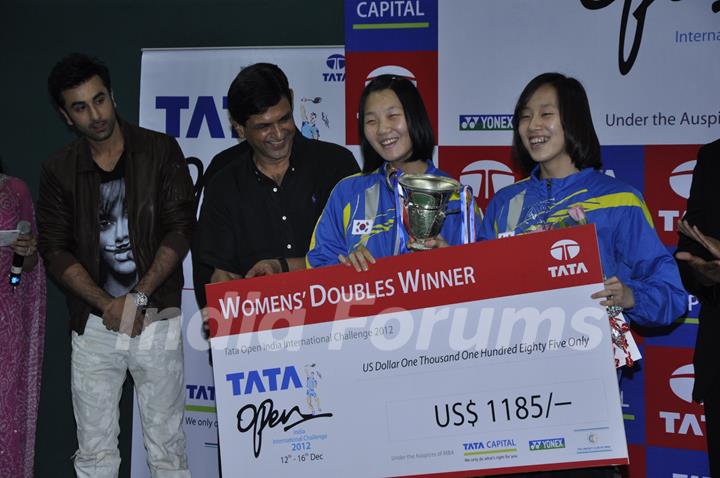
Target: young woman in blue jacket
554 139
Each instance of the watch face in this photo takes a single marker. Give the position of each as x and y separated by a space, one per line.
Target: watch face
141 299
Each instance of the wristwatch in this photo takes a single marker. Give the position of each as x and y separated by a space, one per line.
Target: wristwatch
141 300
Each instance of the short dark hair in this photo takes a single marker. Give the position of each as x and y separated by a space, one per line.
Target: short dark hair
418 123
581 141
74 70
255 89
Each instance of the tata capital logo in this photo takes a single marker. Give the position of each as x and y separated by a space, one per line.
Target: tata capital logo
680 181
394 70
501 445
486 177
336 64
482 122
565 250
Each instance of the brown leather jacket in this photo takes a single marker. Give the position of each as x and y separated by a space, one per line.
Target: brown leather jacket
161 211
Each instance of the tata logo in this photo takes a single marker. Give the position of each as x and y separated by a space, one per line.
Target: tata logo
681 383
487 177
681 179
486 122
203 113
394 70
336 63
473 445
266 380
546 444
566 250
201 392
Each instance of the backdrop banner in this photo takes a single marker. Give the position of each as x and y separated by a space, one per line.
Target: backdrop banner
184 93
650 69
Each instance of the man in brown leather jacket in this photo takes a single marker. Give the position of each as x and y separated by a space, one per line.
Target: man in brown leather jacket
116 215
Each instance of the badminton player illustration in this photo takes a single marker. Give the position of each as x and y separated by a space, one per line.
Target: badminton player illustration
312 375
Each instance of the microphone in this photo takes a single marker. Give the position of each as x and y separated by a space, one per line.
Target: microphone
18 260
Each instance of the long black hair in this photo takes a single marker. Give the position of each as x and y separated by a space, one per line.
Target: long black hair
581 141
416 117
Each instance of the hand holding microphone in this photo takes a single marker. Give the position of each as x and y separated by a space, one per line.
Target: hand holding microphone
25 245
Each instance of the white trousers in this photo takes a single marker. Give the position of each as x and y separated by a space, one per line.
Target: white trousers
100 361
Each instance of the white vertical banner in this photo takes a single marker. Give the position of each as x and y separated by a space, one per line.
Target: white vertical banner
183 93
665 93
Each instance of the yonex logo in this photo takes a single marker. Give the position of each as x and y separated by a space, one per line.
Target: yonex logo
681 382
681 178
546 444
487 177
485 122
391 70
565 249
336 62
468 122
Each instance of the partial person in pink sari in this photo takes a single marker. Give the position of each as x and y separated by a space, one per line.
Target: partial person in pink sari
22 330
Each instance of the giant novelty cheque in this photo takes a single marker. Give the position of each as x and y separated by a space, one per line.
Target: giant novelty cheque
437 363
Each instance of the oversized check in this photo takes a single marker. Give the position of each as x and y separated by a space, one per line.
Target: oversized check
479 359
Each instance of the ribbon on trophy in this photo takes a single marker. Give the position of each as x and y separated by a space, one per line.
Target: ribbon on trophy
400 227
468 214
625 350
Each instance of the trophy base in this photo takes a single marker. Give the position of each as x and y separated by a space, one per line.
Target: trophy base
418 246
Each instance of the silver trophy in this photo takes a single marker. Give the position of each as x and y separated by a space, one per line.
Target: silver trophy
425 198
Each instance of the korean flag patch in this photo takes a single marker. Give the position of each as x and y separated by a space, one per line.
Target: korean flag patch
361 226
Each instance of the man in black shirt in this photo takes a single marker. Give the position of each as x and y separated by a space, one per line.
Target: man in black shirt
259 213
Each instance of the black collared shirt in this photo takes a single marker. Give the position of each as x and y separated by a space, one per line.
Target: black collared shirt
247 217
